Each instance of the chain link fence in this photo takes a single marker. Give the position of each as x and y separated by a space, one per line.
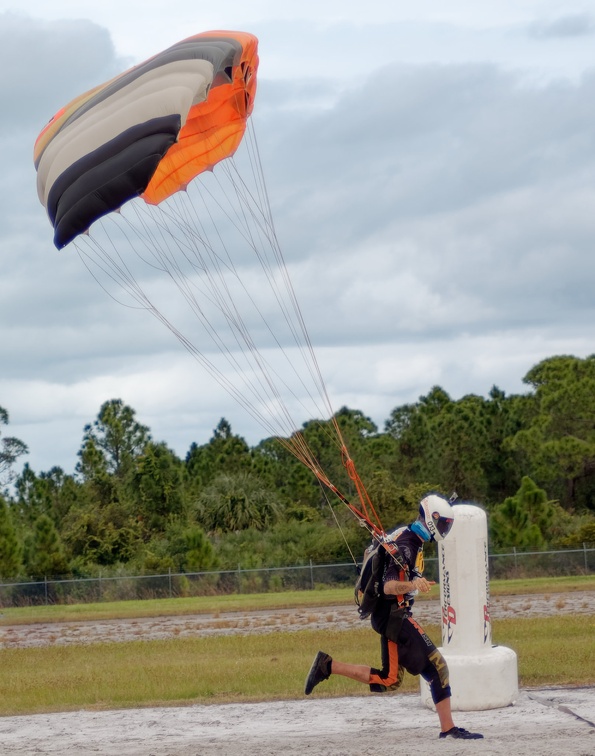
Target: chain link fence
514 564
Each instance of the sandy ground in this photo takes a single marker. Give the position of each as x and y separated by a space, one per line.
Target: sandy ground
541 723
544 722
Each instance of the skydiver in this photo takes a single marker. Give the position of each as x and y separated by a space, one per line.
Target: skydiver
403 642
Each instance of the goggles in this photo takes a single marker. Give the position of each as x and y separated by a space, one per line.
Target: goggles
443 524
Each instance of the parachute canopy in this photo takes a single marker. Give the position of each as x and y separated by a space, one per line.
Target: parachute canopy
147 132
205 262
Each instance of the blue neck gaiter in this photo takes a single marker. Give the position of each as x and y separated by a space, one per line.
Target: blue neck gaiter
419 529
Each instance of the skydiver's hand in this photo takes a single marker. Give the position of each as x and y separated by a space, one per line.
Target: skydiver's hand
422 585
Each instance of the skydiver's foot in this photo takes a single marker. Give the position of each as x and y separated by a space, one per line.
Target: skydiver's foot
319 671
461 734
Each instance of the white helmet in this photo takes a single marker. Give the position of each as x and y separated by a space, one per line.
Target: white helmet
436 516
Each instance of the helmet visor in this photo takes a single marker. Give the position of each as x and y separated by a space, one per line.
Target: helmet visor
443 524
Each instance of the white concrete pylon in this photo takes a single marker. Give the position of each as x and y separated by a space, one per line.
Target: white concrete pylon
482 676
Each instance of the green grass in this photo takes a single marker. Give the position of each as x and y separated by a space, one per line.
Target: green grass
522 586
174 606
551 651
253 602
255 667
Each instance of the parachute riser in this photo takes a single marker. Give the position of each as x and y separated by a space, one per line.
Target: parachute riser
363 520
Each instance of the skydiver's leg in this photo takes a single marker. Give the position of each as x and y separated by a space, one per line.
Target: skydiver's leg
391 674
378 679
421 657
444 715
358 672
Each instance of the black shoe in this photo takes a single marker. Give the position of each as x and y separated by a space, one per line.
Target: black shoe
319 671
460 733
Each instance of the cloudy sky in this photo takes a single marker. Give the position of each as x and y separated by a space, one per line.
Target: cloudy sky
431 168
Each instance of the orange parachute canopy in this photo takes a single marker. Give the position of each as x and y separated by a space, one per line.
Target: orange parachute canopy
148 131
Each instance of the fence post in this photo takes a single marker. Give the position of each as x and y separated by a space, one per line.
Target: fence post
45 586
586 563
239 579
311 576
514 550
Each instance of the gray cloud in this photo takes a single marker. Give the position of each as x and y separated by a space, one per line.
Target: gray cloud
476 185
571 25
44 63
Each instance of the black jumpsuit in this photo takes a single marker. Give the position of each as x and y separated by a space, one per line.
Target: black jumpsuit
404 644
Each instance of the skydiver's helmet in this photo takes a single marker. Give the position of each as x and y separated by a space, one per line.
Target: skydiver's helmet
435 519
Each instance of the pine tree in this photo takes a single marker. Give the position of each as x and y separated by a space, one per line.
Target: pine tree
46 552
11 550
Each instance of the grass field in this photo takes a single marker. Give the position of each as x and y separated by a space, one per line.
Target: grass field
253 667
551 651
253 602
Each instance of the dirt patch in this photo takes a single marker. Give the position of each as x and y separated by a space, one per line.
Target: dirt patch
268 621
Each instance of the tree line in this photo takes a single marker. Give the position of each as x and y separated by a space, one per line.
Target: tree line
133 505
